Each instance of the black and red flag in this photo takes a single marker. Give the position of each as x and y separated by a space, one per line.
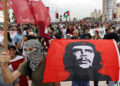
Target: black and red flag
82 60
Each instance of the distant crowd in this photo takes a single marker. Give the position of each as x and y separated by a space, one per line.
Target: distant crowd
66 30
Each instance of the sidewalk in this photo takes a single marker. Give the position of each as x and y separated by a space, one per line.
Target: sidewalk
101 83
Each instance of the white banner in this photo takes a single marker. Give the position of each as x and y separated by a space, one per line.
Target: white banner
101 31
12 34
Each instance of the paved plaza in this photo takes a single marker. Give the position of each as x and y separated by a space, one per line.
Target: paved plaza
101 83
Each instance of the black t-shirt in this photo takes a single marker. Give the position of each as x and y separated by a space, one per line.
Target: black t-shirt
86 36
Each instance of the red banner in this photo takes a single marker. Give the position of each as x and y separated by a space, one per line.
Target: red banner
42 18
22 11
114 15
40 12
57 15
82 60
9 5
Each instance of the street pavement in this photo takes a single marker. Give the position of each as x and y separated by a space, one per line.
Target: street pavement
69 83
101 83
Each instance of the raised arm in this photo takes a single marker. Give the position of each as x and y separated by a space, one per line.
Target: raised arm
8 76
17 84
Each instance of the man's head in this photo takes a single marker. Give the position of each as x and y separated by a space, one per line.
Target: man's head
81 55
33 52
87 31
12 51
31 46
75 33
84 54
19 30
112 36
109 30
25 26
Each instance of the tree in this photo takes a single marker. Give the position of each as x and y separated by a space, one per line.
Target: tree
87 18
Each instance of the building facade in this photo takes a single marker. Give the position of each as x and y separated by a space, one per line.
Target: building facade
118 11
109 9
96 14
103 10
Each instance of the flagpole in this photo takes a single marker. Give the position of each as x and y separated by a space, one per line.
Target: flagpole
5 26
66 19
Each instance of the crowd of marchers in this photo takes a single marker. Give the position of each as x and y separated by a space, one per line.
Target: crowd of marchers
18 66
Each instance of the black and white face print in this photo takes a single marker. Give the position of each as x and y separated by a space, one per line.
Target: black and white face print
84 55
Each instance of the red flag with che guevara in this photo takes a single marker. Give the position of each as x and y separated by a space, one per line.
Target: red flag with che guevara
82 60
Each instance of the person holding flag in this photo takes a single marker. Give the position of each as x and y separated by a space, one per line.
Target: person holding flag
115 37
66 14
15 61
76 82
33 67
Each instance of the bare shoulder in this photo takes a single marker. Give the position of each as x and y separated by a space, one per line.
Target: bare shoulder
16 74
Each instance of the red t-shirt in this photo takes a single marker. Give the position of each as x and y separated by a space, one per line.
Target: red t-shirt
14 64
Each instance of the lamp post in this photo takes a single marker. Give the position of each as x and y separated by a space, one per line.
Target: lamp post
60 18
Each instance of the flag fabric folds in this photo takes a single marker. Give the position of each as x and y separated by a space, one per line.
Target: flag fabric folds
82 60
9 5
66 14
57 15
42 32
41 16
31 11
40 12
22 11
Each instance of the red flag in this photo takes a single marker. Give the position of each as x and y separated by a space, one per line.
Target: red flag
57 15
42 18
68 13
82 60
114 15
9 5
32 11
40 12
42 32
48 16
22 11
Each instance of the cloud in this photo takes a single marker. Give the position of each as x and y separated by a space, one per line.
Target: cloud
118 1
77 8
